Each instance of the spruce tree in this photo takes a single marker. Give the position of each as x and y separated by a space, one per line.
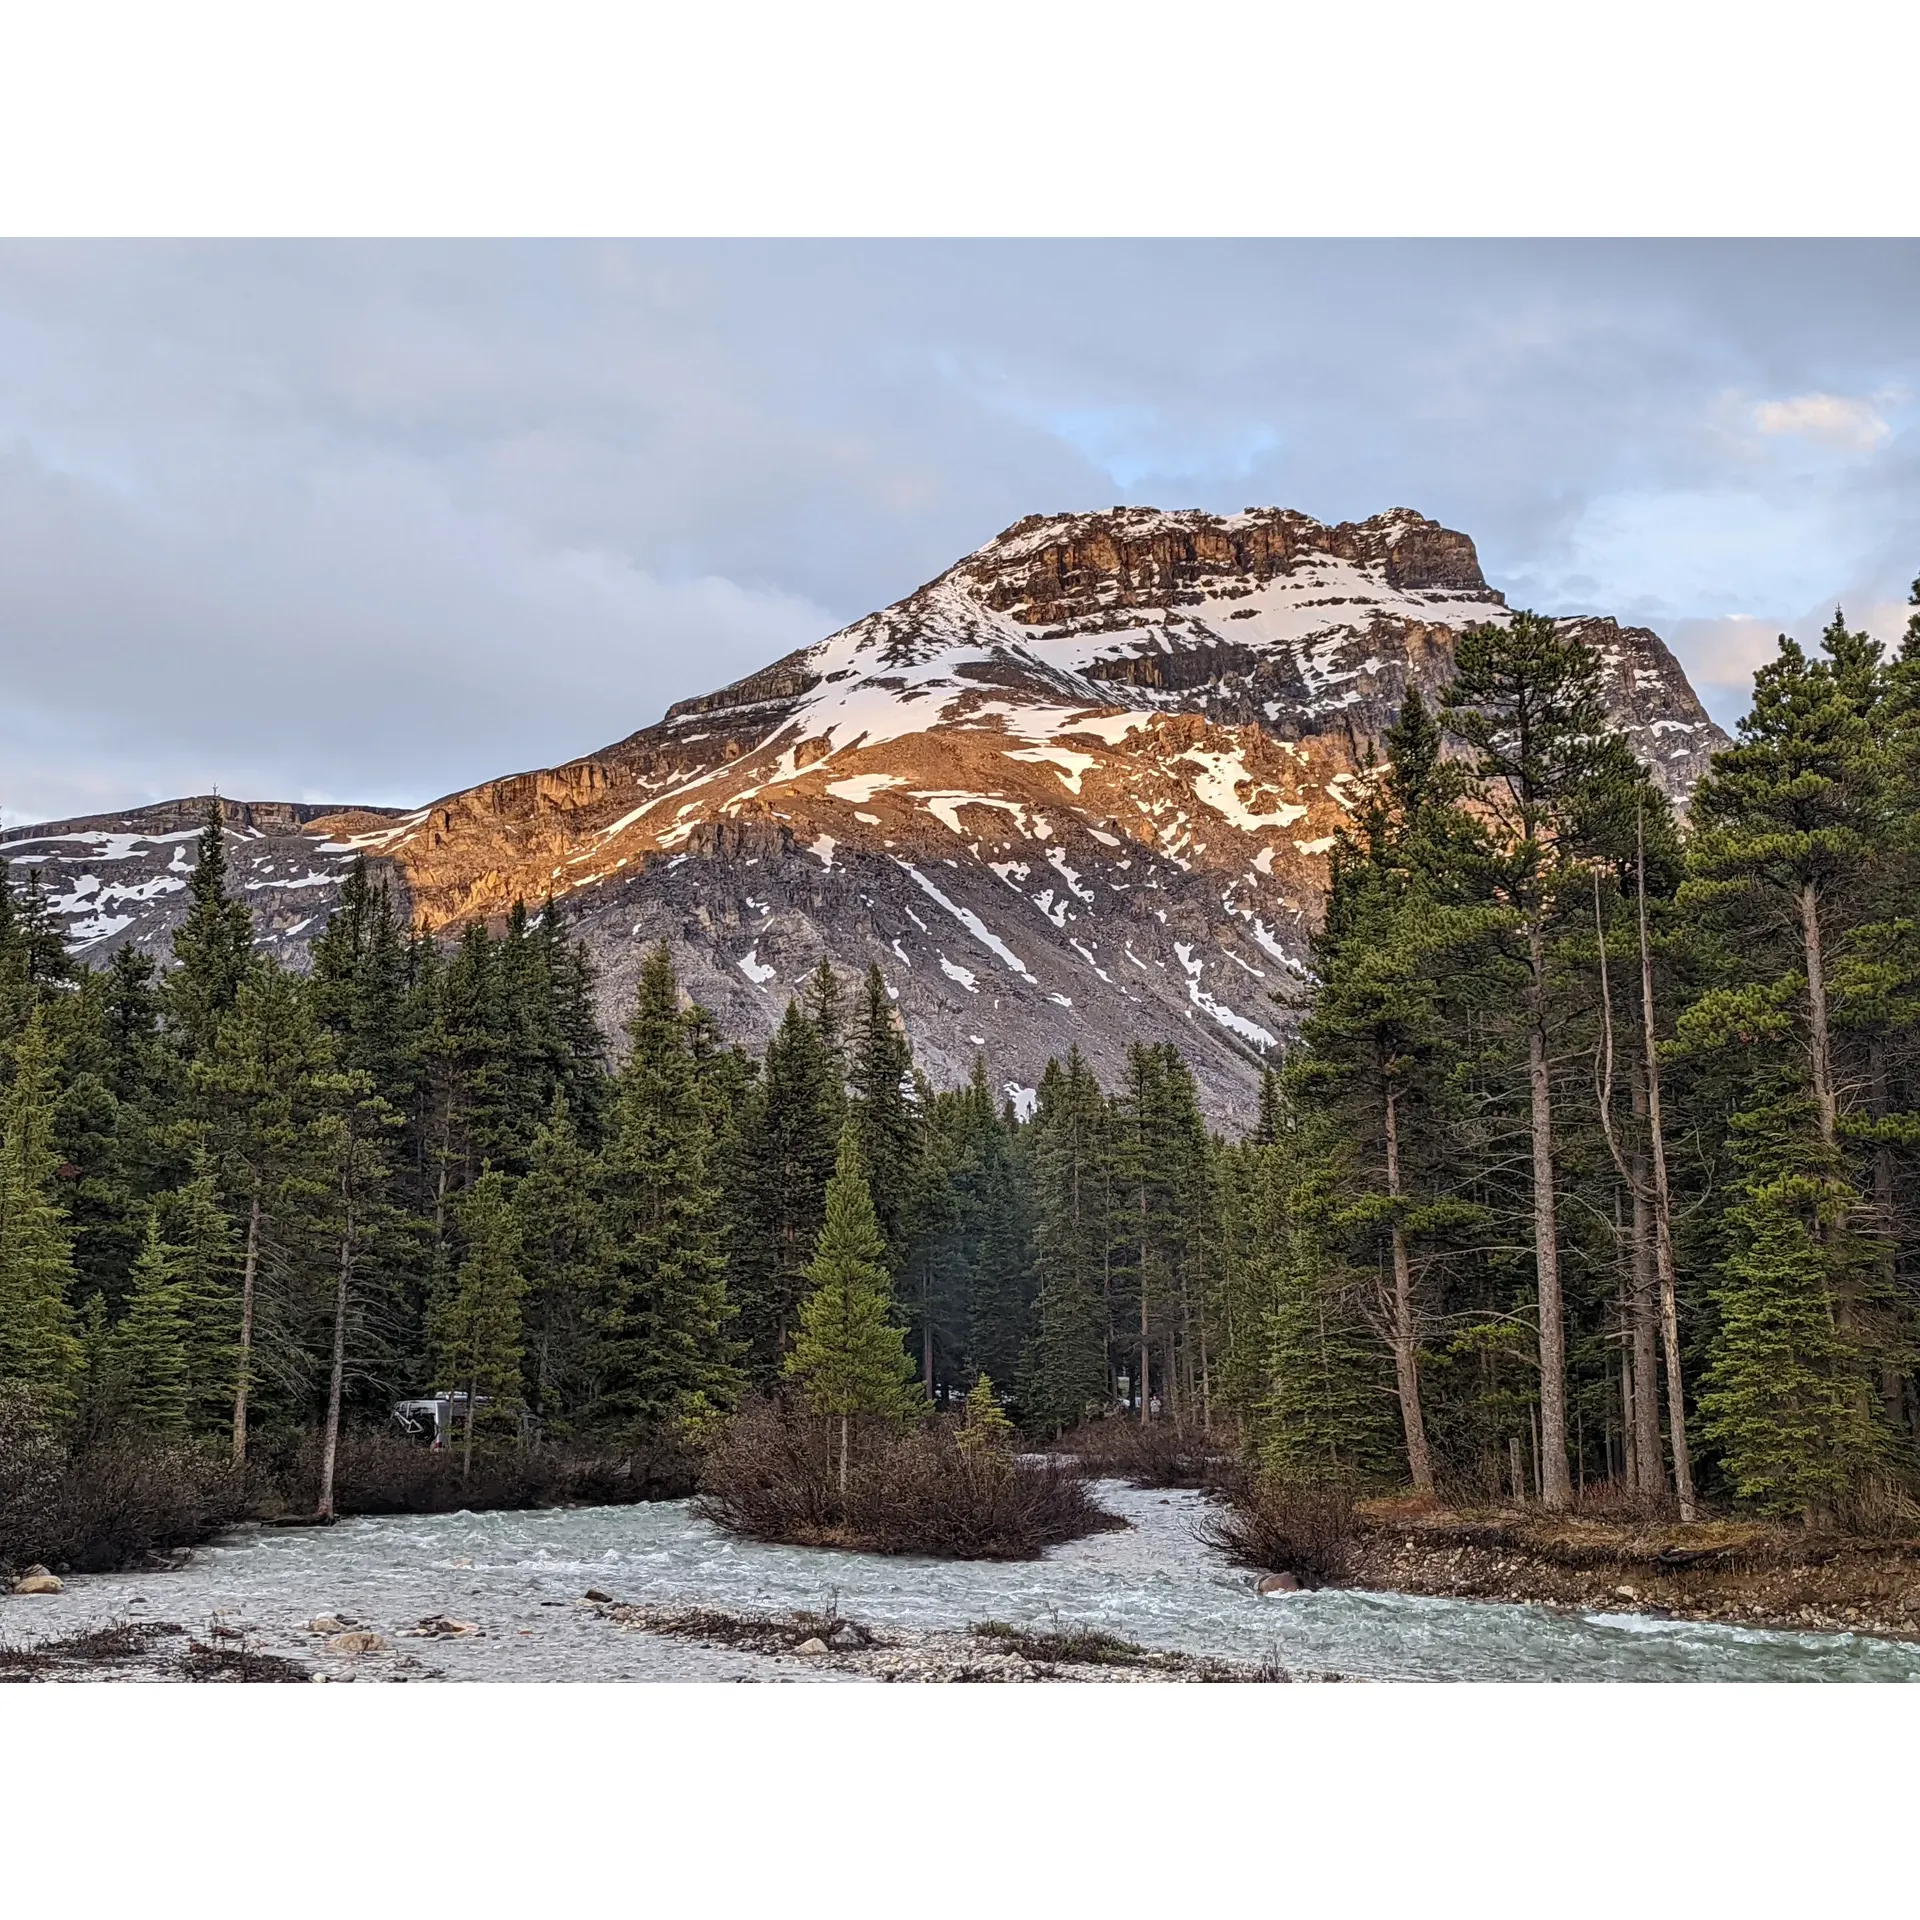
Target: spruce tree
781 1162
1064 1374
849 1358
672 1354
40 1352
884 1112
1792 824
984 1427
1376 1048
558 1211
212 947
263 1097
147 1350
1780 1398
206 1274
476 1327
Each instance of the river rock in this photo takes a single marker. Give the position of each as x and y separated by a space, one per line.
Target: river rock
813 1646
357 1642
604 1599
443 1626
39 1580
329 1623
1276 1583
847 1638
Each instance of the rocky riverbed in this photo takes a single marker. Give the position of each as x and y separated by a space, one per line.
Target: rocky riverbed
655 1592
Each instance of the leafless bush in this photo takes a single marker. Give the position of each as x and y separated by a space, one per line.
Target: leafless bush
114 1502
379 1472
1153 1453
1307 1531
770 1476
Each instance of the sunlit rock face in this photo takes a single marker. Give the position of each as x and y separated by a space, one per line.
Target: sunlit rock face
1080 789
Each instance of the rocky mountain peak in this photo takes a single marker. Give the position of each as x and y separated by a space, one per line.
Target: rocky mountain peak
1079 789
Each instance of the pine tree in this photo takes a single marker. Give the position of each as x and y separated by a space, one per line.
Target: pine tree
147 1350
1552 780
476 1327
849 1359
40 1353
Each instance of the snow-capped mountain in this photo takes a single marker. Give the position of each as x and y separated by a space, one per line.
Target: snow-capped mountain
1080 788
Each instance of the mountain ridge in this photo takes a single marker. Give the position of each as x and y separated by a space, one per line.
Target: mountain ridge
1079 787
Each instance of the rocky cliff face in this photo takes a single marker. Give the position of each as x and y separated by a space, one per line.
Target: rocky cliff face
1079 789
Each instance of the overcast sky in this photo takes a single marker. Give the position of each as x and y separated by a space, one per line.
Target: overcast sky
373 522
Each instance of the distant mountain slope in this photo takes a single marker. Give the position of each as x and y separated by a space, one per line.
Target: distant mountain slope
1080 788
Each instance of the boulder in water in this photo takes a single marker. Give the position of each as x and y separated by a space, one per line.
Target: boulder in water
1276 1583
358 1642
813 1646
39 1580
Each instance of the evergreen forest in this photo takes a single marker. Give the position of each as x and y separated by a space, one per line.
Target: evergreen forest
1593 1158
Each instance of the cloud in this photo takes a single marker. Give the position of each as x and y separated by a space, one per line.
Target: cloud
372 521
1828 417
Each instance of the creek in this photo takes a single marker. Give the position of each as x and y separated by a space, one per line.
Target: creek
517 1575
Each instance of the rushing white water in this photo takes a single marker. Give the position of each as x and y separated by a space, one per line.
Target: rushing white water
515 1574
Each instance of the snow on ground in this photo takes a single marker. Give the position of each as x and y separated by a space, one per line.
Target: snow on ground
970 920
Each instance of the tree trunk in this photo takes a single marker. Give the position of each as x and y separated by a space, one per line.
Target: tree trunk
1406 1348
1893 1386
1652 1477
466 1449
1629 1441
330 1447
1556 1489
1663 1215
1819 1047
243 1380
1146 1409
844 1423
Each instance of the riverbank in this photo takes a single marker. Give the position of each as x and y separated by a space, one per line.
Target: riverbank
503 1596
1735 1573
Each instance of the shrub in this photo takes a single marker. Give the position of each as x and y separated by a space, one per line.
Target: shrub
771 1476
1153 1453
1301 1529
111 1502
380 1472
